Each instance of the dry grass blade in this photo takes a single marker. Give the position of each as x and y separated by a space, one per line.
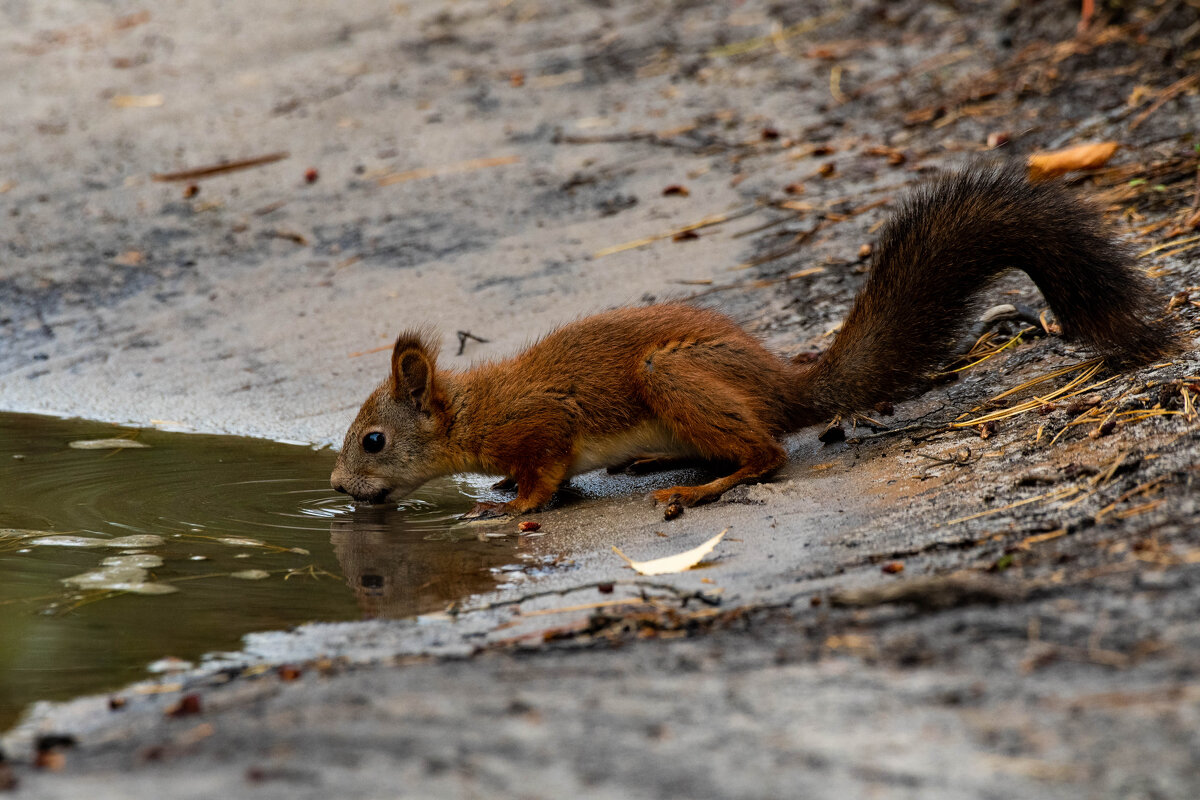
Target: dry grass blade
1057 494
1166 94
1178 251
1028 541
1166 245
1142 489
775 37
1099 481
1142 509
449 169
715 219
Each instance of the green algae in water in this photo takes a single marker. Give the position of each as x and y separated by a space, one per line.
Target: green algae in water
112 559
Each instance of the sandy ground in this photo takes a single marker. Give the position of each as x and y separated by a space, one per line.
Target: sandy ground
481 167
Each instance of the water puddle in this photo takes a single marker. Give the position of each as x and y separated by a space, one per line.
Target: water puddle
113 556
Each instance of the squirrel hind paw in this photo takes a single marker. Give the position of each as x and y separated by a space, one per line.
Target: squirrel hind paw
686 496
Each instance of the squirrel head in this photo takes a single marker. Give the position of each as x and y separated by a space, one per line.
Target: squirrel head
397 440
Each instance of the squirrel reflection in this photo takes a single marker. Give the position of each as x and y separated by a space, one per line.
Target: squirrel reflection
396 571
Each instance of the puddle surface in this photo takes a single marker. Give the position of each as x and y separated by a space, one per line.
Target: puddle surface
112 557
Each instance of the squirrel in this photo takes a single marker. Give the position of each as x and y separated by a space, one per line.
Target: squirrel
680 381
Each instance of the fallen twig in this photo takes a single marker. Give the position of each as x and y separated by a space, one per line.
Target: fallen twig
212 170
935 592
684 596
462 340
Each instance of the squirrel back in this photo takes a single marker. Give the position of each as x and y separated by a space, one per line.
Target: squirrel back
946 244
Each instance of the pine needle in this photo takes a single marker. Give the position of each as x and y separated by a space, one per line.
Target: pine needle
1013 342
1090 368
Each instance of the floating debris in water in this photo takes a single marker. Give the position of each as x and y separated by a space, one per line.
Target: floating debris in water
123 542
105 444
69 541
251 574
235 541
169 664
137 540
148 587
139 560
119 578
103 578
22 533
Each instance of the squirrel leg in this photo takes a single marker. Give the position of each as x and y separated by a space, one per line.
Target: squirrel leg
715 418
536 488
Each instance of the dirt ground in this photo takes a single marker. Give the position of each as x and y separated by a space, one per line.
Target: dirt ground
1005 609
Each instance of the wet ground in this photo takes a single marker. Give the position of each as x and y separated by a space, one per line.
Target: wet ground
925 611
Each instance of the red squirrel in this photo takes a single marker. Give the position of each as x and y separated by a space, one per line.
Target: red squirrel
674 380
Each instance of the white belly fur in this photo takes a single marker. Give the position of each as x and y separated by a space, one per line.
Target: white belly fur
649 438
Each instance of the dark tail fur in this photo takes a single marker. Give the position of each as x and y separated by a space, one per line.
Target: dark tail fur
946 244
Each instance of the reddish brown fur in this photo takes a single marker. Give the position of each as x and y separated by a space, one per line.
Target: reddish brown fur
679 381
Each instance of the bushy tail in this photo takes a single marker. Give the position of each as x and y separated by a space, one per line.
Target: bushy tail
947 243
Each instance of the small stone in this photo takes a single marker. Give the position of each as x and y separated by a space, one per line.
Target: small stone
187 705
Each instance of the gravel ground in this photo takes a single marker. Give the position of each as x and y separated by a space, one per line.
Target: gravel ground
923 612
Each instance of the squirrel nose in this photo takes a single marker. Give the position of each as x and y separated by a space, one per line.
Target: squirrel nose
337 487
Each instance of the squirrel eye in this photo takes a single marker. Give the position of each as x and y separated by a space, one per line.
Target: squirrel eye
373 442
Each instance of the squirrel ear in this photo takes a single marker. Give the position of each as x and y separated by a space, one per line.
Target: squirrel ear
412 373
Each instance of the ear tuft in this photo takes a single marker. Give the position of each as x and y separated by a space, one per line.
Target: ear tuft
414 361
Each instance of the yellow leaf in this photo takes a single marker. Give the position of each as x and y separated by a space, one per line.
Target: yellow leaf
676 563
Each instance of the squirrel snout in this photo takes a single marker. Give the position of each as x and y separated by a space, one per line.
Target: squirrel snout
364 493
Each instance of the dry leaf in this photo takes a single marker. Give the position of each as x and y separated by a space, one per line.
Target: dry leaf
1043 166
138 100
676 563
130 258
